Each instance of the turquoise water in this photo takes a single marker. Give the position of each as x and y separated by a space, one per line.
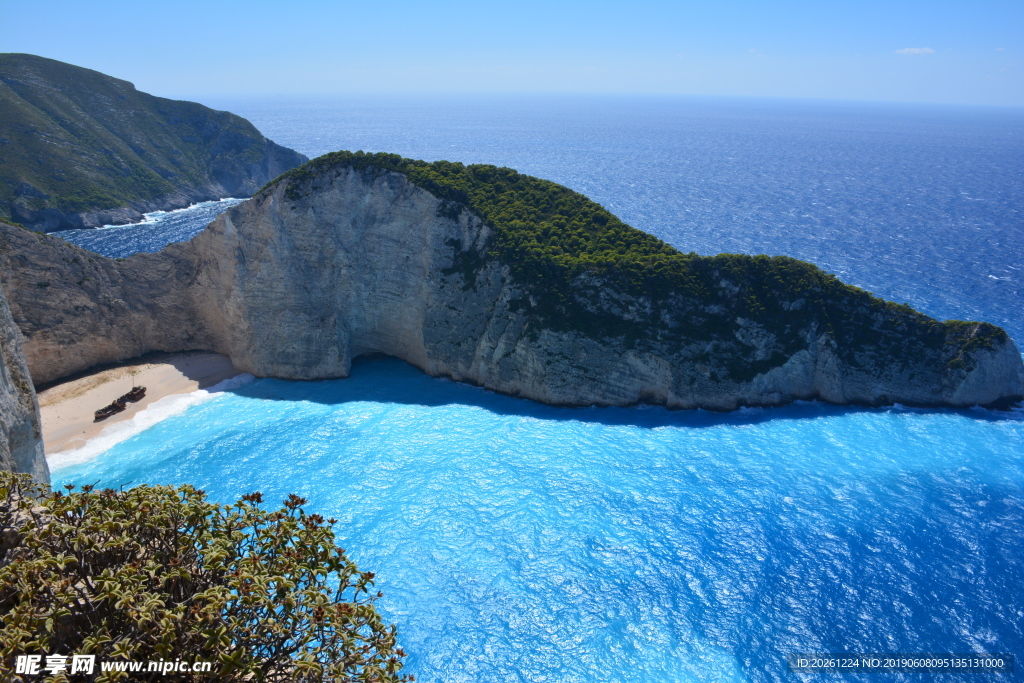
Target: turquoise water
519 542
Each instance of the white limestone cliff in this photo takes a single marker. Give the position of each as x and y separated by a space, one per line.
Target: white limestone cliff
21 443
365 262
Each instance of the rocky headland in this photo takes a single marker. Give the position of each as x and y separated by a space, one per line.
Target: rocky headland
79 149
491 277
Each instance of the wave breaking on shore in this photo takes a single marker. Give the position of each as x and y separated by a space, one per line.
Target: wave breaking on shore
157 412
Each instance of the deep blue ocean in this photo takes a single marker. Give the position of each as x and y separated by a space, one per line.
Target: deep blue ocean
519 542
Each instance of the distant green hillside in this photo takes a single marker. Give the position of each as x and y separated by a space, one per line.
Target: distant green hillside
76 144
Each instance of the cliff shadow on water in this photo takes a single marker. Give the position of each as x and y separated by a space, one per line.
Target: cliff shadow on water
379 378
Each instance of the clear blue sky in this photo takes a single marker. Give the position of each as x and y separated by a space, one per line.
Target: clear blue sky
930 51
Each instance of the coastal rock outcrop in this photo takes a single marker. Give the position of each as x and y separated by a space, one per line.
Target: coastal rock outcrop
21 442
359 254
76 309
79 149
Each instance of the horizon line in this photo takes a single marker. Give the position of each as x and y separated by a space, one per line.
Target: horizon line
382 94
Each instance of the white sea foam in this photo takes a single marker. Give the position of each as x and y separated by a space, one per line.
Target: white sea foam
154 217
156 412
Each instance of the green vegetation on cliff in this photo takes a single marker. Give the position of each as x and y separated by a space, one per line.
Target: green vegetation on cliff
75 140
159 573
569 254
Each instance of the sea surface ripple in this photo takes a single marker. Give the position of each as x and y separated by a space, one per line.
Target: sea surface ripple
519 542
153 234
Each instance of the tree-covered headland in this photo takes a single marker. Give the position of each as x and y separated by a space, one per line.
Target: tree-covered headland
566 252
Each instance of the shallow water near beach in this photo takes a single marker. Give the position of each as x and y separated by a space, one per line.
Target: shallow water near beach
519 542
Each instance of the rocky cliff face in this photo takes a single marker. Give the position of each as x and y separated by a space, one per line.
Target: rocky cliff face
314 272
21 443
79 149
365 262
76 309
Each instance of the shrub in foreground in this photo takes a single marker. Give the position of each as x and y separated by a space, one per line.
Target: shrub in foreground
159 573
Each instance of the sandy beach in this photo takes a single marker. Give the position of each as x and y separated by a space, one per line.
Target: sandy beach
68 408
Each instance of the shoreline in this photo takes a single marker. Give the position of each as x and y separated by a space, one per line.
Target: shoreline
67 408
